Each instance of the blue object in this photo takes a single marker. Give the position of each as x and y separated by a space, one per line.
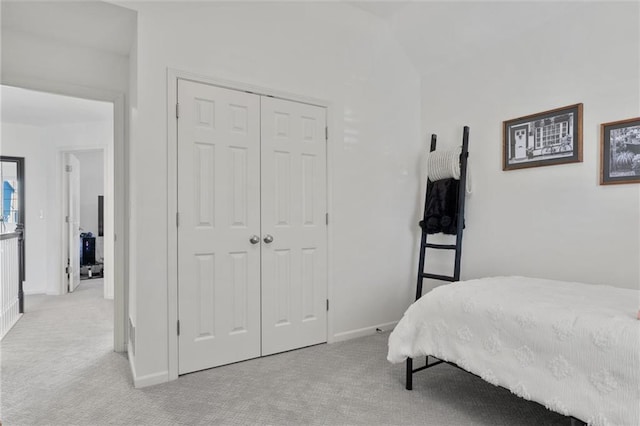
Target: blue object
7 191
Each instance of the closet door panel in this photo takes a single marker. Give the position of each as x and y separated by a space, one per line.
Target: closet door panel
219 209
294 263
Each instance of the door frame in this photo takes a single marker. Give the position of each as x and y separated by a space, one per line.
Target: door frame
109 231
22 216
120 245
173 75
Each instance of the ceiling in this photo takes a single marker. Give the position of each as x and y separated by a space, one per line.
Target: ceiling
103 26
21 106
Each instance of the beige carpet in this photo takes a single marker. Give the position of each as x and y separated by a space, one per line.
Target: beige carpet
58 369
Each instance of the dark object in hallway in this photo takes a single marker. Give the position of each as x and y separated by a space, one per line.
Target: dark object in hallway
88 251
100 216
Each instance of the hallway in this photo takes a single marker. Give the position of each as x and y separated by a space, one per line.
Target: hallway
60 350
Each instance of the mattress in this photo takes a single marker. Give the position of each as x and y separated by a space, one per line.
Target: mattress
575 348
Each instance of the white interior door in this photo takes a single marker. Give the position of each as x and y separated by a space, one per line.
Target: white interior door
72 218
219 213
294 230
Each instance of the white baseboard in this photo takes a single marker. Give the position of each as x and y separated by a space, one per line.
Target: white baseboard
30 290
10 326
163 376
150 379
361 332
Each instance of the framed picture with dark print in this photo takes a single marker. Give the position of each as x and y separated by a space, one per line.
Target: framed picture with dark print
620 152
543 139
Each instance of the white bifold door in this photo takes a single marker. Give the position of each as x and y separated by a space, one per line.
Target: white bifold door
252 235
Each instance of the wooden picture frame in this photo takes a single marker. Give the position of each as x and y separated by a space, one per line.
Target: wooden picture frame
543 139
620 152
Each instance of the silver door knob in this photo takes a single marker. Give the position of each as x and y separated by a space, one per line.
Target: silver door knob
254 239
268 239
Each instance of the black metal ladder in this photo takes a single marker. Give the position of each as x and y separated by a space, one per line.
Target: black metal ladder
424 245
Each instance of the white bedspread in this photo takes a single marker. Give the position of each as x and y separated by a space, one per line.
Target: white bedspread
575 348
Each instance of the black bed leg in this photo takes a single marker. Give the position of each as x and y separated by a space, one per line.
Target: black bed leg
409 385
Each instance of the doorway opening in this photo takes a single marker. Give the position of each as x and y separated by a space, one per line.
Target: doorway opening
83 236
48 129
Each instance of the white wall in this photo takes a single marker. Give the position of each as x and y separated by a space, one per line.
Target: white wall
28 59
41 146
328 51
556 221
26 141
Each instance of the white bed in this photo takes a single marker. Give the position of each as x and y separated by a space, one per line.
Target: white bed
575 348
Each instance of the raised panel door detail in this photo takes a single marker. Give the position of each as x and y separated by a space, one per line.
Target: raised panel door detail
308 185
238 186
240 280
205 113
239 118
206 283
204 159
282 199
282 125
308 129
308 291
283 279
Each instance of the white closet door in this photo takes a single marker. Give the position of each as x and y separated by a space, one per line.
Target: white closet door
294 263
219 212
